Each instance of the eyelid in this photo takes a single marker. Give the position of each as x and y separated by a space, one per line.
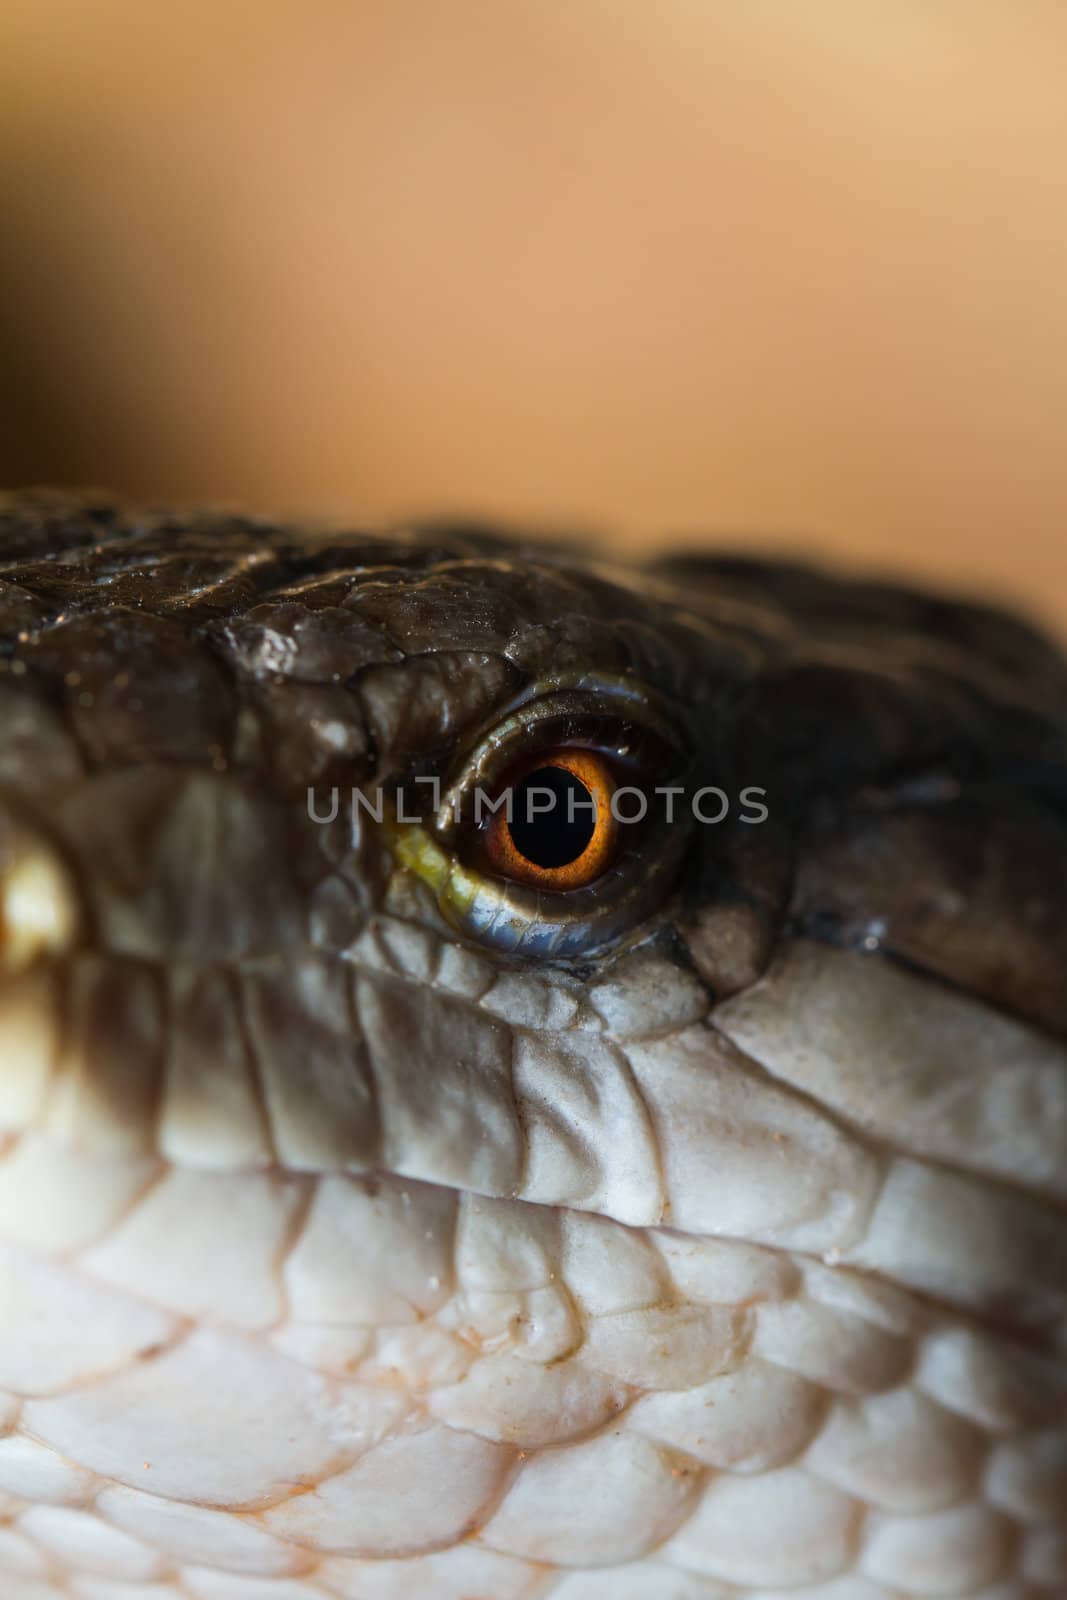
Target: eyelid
628 725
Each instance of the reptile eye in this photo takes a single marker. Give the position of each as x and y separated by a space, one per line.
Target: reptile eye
552 825
527 851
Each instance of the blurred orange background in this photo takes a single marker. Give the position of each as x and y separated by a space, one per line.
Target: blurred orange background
782 272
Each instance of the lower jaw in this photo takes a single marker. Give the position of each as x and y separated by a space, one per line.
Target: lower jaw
354 1384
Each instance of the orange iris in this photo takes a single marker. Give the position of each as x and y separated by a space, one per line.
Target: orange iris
562 845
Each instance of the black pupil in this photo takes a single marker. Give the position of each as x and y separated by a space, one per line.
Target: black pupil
552 835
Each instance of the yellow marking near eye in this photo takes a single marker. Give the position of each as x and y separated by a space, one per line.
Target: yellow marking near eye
413 848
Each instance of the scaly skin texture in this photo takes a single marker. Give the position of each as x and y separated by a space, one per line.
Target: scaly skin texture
361 1240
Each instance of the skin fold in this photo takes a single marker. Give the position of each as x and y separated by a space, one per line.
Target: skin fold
374 1227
